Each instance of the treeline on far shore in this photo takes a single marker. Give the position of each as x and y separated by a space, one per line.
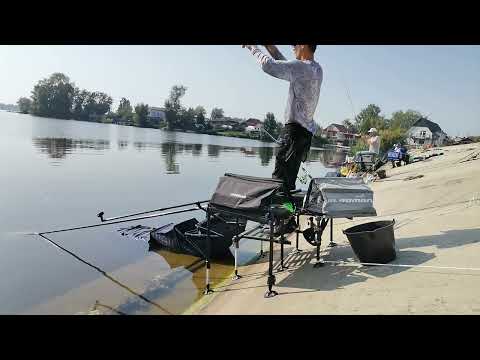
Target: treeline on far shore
9 107
58 97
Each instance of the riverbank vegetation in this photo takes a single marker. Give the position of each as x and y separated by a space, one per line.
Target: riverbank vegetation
58 97
391 131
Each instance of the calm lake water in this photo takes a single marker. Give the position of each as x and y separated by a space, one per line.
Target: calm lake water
56 174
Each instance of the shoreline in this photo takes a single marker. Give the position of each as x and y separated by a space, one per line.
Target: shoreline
241 135
437 234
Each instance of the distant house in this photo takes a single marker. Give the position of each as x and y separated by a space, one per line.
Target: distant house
425 132
253 123
252 127
157 114
338 133
226 123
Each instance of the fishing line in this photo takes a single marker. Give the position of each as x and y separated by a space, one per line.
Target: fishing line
105 274
270 135
420 209
302 178
341 262
348 95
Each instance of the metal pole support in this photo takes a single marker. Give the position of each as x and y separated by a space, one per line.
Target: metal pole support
207 260
332 244
282 240
297 235
271 278
318 235
236 247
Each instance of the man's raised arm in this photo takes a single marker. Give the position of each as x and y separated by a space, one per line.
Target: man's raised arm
274 52
280 69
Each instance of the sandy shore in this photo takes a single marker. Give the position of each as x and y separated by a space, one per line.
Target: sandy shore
437 225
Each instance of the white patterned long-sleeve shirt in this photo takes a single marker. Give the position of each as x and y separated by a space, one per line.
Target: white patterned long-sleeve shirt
305 77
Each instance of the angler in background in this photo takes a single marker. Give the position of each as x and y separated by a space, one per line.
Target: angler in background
374 141
305 77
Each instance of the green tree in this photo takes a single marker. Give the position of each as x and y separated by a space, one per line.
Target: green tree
389 137
53 97
173 106
97 105
24 105
404 120
270 125
200 113
79 101
279 127
140 117
170 115
187 119
350 126
124 110
370 117
217 113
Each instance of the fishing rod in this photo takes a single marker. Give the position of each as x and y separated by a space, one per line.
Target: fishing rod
348 95
270 135
302 178
101 214
109 222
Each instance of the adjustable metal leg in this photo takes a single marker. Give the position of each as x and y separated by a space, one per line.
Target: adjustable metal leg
318 235
237 245
297 235
282 267
271 278
332 244
207 260
261 250
208 290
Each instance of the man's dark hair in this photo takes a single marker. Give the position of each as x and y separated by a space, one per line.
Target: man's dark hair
312 47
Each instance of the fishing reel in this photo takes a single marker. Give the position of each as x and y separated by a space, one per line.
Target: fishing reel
313 234
305 177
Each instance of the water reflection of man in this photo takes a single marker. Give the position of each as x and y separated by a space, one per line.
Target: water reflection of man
305 77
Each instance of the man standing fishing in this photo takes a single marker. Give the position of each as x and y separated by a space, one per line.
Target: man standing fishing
305 77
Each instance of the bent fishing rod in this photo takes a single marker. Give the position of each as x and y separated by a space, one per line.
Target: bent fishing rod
109 221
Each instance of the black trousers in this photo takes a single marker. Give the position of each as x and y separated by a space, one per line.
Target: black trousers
294 148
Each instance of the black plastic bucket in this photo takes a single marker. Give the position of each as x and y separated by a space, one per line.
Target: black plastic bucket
373 242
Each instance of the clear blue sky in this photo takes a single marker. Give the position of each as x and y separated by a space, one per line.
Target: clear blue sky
443 81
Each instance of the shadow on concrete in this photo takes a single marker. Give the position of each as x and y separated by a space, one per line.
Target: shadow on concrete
333 277
302 275
448 239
